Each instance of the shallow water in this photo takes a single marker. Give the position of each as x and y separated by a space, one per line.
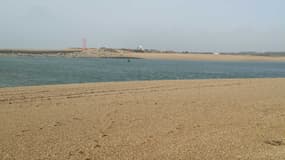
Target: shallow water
27 71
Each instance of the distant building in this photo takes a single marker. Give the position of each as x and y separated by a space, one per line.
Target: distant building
216 53
140 48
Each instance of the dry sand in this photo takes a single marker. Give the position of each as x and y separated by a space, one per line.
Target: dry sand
195 119
178 56
206 57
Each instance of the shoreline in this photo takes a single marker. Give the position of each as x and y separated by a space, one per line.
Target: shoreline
113 53
170 119
134 81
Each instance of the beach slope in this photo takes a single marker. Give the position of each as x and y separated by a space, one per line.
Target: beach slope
191 119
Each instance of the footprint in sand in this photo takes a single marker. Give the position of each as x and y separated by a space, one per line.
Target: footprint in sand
77 119
57 124
104 135
177 129
275 142
22 132
25 130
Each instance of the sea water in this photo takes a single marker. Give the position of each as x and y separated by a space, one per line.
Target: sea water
28 70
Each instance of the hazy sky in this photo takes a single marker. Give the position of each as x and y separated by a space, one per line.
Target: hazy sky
194 25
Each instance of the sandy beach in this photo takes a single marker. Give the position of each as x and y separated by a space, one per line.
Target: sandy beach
191 119
207 57
177 56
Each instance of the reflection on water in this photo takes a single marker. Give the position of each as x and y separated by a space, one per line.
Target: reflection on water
23 71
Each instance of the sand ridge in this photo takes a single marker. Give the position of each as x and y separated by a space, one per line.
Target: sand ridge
119 53
177 56
186 119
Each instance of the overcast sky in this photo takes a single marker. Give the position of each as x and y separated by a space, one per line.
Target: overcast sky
194 25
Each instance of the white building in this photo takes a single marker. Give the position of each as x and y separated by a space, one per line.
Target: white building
140 48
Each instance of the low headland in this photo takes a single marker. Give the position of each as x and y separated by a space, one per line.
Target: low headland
147 54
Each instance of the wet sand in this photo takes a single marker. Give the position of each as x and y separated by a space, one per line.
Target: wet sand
191 119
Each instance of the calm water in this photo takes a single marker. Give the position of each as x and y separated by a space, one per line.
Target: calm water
23 71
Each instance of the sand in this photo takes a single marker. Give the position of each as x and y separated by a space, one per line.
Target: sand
177 56
116 53
191 119
206 57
